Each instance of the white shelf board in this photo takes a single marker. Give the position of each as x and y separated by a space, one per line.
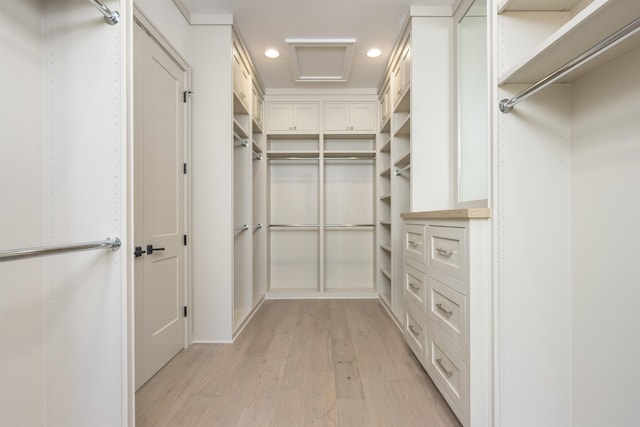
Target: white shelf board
594 23
536 5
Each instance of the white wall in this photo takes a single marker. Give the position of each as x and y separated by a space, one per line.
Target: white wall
21 215
431 113
606 273
212 184
63 356
168 19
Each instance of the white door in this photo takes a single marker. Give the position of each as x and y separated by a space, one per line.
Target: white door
158 204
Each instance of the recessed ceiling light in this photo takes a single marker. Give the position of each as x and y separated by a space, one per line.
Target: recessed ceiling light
374 53
272 53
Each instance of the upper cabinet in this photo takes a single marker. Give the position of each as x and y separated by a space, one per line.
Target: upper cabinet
294 118
345 117
401 75
257 107
242 83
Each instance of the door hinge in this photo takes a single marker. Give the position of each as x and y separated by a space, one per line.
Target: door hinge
184 95
184 168
185 240
185 311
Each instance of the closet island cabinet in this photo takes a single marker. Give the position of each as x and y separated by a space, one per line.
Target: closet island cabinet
447 321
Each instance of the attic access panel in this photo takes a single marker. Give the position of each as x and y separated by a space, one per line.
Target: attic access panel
320 60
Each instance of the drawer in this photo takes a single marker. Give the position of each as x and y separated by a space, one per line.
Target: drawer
448 370
414 243
448 309
415 332
415 287
447 251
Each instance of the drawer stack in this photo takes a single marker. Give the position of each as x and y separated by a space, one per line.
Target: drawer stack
438 284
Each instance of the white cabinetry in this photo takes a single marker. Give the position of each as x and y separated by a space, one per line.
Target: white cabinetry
562 157
343 117
241 80
414 155
321 196
284 117
447 316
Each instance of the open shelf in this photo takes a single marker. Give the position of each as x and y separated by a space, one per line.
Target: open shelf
386 172
591 25
405 127
386 146
385 126
385 198
239 130
403 161
533 5
385 247
341 154
404 103
295 154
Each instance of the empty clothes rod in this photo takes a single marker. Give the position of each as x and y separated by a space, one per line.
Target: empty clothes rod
506 105
110 17
17 254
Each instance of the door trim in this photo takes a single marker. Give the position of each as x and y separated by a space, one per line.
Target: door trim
139 18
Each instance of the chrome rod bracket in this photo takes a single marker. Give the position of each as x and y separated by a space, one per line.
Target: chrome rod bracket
110 17
505 106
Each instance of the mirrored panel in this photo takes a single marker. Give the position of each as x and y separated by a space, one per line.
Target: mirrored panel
473 144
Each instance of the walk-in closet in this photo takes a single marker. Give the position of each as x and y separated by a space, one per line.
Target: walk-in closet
348 213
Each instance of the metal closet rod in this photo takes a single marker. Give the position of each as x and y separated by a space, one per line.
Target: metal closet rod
17 254
110 17
506 105
401 171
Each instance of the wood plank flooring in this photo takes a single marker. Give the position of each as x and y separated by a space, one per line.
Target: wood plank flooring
298 363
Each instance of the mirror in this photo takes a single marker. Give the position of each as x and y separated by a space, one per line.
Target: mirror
472 120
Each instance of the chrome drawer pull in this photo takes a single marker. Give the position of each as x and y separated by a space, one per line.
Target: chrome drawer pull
413 286
413 330
444 310
447 373
414 243
445 252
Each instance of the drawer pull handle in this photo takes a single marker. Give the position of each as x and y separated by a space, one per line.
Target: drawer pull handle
447 373
445 252
414 243
413 330
444 310
413 286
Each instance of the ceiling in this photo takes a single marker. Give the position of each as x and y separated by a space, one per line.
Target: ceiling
265 24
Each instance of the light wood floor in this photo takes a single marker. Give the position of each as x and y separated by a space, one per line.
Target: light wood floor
298 363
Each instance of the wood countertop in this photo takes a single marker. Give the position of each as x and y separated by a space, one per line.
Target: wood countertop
472 213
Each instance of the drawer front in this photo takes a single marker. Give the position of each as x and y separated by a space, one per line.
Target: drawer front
415 243
415 287
415 332
447 250
448 309
448 371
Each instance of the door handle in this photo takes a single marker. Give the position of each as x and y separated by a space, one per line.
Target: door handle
138 251
151 249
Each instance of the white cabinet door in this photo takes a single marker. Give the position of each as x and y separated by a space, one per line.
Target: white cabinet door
345 117
280 117
305 118
242 84
336 117
286 117
361 117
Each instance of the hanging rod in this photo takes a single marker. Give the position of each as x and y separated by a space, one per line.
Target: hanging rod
241 141
245 227
257 226
400 171
349 158
506 105
294 225
110 17
294 158
349 225
256 155
17 254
